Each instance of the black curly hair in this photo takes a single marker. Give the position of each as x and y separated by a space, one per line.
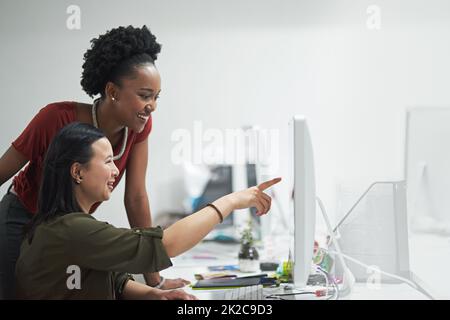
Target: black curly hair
116 54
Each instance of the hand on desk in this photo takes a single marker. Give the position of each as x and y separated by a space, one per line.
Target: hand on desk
177 294
138 291
174 283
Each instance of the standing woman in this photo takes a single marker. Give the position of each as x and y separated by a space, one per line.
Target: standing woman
120 67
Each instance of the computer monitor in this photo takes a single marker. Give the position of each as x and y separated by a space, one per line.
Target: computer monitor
252 180
304 197
222 180
219 184
427 173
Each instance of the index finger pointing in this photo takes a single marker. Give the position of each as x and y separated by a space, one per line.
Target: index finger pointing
267 184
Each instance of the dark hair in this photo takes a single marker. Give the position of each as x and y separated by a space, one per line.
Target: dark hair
71 144
116 54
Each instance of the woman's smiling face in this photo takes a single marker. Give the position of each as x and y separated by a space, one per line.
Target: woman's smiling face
99 173
136 96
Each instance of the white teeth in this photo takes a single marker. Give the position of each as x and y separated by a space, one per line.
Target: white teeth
141 117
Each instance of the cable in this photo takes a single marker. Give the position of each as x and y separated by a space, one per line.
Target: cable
347 279
325 274
341 255
327 279
410 283
362 264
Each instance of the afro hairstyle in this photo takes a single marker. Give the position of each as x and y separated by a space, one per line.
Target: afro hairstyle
115 54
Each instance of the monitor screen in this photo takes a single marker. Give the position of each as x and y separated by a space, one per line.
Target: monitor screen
219 184
427 173
304 194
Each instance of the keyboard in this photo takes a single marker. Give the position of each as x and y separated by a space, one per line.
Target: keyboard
255 292
245 293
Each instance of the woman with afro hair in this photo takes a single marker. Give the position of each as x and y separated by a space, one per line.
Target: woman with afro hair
120 69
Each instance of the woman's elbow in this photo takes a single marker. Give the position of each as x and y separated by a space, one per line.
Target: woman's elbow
169 246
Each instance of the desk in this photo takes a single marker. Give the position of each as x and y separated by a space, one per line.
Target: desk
429 257
207 254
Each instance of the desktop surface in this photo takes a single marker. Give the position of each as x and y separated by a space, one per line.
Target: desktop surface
205 254
429 254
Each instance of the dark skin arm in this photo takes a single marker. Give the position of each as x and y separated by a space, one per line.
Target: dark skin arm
10 163
137 204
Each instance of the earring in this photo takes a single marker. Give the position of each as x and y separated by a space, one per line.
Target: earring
113 99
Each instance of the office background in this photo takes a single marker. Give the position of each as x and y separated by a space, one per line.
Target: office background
233 63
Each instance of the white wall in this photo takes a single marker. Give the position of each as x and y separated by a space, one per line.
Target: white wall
231 63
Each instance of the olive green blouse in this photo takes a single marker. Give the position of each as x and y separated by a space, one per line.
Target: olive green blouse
76 256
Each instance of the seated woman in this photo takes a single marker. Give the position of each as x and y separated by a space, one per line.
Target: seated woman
68 254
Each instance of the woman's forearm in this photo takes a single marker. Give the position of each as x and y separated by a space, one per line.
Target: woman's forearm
138 211
187 232
137 291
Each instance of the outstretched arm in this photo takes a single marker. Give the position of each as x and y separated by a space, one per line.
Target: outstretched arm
187 232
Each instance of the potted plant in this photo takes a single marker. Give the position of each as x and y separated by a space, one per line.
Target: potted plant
248 255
